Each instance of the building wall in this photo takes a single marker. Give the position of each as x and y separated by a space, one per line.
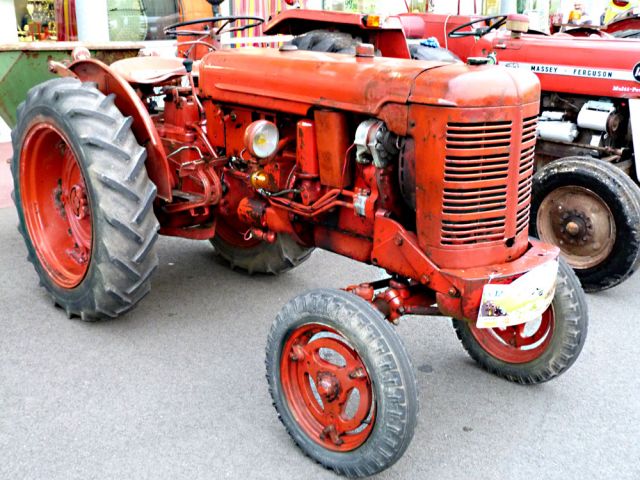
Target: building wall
8 25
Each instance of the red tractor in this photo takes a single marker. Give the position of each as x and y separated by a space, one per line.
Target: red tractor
585 194
421 168
625 25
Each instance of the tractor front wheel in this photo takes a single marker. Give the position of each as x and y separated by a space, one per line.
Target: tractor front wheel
341 382
539 350
591 210
84 200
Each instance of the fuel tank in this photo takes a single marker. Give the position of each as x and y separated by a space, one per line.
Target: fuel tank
296 81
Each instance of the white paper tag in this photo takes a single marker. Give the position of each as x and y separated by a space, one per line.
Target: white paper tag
520 301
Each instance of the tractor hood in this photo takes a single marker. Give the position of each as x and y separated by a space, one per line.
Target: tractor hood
458 85
297 81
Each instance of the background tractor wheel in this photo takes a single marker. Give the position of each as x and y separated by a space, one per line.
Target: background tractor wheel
341 382
591 210
84 200
327 41
256 256
340 42
539 350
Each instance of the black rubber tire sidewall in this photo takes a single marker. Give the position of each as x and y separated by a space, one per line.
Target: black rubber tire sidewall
267 258
326 41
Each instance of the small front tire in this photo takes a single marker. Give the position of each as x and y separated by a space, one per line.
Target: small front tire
537 351
324 346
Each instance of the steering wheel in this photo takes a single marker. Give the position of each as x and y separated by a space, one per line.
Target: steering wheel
492 23
173 30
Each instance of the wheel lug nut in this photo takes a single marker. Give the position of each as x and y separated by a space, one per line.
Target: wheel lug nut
297 353
331 432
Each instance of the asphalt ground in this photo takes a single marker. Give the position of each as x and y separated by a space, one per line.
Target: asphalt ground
176 388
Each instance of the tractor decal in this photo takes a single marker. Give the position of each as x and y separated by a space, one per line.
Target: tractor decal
572 71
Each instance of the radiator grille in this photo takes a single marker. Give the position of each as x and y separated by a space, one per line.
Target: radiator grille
525 173
476 179
475 182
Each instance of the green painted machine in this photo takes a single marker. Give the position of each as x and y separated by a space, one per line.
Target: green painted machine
24 65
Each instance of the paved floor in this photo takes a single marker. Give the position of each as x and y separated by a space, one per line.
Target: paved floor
176 388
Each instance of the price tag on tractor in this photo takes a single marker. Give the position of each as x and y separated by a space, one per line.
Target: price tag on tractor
521 301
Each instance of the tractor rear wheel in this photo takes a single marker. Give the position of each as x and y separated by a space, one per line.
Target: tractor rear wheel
537 351
84 200
341 382
326 41
591 210
256 256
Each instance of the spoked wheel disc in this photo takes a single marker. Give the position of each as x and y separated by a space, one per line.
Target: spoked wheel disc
327 386
56 206
519 343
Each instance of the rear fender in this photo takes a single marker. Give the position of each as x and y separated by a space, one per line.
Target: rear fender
128 102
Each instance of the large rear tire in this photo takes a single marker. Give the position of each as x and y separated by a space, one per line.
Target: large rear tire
341 382
591 210
255 256
84 200
537 351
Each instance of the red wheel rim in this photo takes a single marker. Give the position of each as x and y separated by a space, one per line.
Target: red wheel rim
321 373
55 204
520 343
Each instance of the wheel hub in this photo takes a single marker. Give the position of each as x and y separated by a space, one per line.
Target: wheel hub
328 386
575 228
578 221
78 201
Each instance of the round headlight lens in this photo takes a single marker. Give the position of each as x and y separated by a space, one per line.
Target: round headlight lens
261 138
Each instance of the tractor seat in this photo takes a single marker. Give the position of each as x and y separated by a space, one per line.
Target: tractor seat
150 70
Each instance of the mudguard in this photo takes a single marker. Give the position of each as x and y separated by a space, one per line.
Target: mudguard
128 102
